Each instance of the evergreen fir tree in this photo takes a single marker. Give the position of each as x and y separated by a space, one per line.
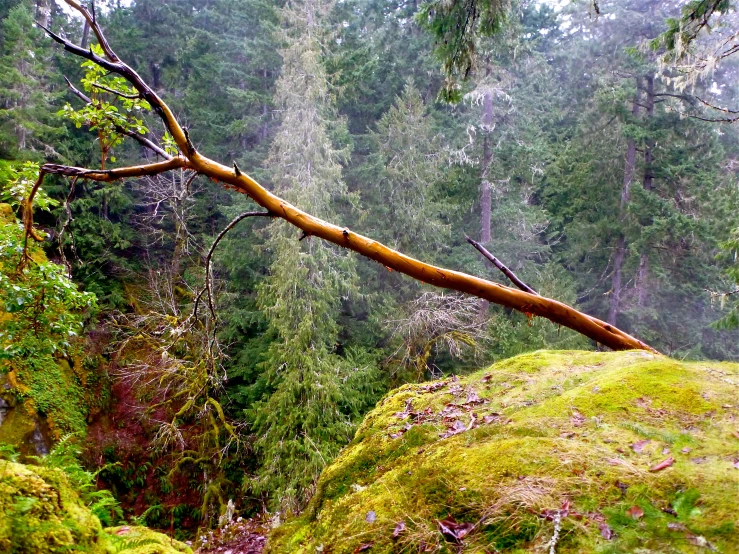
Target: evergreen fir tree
306 416
27 120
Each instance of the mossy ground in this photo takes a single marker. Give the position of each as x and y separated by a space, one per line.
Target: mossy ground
534 435
40 513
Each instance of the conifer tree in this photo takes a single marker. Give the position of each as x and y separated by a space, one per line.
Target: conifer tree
26 100
408 160
305 417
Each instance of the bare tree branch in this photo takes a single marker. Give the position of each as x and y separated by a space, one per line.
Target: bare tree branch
208 282
109 175
497 263
116 92
522 301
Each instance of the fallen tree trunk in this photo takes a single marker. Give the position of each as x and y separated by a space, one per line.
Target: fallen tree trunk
525 302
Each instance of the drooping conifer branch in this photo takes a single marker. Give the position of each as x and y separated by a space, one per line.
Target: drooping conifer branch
525 302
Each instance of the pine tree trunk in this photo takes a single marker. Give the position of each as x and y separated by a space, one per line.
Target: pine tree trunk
648 184
486 193
85 34
618 262
43 12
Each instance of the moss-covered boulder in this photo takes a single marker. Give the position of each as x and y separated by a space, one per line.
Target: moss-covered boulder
545 452
40 513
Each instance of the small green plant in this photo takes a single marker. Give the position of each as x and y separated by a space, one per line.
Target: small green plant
43 314
9 452
19 185
102 503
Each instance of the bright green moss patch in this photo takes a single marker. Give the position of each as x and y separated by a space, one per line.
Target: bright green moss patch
40 513
547 436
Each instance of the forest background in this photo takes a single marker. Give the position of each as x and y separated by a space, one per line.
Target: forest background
572 152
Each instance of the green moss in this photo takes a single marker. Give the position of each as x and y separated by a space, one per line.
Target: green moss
17 427
40 513
560 428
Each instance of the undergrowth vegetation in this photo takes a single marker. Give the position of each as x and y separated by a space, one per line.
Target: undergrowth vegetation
55 506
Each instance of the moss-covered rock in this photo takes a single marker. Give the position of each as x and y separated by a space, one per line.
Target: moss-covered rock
627 451
40 513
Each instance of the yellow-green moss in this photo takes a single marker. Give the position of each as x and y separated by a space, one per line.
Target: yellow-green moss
565 428
40 513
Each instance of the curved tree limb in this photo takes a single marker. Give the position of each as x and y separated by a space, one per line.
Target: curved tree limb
525 302
208 284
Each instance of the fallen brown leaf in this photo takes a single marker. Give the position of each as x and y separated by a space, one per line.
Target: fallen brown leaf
643 402
577 419
473 398
364 547
639 445
454 429
605 531
664 464
623 487
676 527
453 531
635 512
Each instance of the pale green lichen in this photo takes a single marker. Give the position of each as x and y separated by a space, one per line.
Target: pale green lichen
40 513
565 430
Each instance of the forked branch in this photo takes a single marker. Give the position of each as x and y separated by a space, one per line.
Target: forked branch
522 301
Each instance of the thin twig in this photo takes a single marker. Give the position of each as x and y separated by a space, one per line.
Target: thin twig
208 285
117 93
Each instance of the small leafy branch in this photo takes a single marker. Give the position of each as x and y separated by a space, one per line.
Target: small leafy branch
112 109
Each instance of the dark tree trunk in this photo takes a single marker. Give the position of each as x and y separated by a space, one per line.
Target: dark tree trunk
648 184
85 34
486 193
618 262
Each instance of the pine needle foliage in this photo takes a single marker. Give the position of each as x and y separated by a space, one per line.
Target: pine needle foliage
306 415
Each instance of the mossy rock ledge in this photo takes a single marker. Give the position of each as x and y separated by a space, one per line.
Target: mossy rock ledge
40 513
628 451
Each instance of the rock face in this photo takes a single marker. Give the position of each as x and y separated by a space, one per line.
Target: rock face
546 452
40 513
